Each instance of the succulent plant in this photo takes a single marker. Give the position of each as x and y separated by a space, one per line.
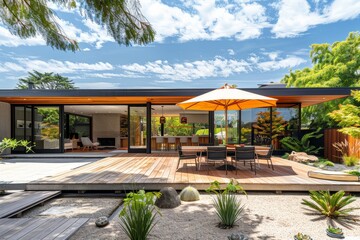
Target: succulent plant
301 236
237 236
189 194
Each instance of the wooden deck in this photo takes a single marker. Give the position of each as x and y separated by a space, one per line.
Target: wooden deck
15 203
130 171
39 228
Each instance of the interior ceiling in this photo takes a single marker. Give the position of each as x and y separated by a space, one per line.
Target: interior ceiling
156 110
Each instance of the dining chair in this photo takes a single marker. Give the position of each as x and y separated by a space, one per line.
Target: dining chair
171 142
183 156
183 141
267 157
195 140
216 154
160 142
244 154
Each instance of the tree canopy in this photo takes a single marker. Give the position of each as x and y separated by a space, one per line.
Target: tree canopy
334 65
122 19
47 80
348 117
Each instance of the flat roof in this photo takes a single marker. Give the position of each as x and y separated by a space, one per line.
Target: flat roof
306 96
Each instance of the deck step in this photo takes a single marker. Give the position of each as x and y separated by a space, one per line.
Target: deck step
16 203
39 228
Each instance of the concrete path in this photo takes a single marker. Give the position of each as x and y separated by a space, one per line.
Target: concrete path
24 170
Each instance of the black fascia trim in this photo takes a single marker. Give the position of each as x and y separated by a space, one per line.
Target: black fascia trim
169 92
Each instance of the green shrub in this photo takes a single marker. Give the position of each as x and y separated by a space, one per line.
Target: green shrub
13 143
302 145
354 172
350 160
332 206
227 206
138 215
285 156
324 163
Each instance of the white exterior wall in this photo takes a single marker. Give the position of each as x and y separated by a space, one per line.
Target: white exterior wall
5 121
106 126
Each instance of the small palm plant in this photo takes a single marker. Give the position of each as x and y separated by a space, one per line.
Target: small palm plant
228 207
138 215
330 205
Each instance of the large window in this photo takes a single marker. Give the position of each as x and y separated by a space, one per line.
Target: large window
38 124
232 129
265 126
77 126
137 128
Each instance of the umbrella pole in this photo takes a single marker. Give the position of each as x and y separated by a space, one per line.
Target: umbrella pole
226 126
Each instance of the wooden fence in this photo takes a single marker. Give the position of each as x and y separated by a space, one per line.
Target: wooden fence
332 136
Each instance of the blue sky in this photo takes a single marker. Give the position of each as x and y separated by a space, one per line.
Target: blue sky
199 44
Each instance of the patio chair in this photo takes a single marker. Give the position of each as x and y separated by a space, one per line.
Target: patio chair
88 144
216 154
244 154
267 157
183 156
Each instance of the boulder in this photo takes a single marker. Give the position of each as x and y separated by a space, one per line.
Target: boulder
102 221
169 198
302 157
189 194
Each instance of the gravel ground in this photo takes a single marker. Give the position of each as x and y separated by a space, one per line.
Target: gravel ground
266 216
81 207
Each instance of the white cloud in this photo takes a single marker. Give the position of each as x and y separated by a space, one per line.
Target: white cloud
206 20
286 63
231 52
86 49
9 40
296 16
217 67
56 66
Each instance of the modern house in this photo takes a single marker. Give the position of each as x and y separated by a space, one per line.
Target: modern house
135 119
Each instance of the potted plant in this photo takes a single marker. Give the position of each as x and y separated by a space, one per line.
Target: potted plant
301 236
334 232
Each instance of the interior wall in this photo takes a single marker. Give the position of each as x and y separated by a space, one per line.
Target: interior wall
5 121
106 126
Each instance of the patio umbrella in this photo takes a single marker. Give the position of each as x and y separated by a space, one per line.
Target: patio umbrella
227 98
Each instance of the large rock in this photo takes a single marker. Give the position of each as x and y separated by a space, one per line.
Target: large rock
189 194
102 221
169 198
302 157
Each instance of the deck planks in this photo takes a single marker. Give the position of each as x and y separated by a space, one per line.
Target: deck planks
39 228
131 171
13 204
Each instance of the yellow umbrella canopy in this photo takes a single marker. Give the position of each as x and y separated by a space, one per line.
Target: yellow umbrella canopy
227 98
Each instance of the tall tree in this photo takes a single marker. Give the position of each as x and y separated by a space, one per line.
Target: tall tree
348 117
45 81
335 65
122 19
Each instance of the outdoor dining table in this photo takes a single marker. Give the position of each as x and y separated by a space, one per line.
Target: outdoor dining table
203 149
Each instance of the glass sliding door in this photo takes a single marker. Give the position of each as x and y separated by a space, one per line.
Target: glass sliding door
137 128
47 128
38 124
